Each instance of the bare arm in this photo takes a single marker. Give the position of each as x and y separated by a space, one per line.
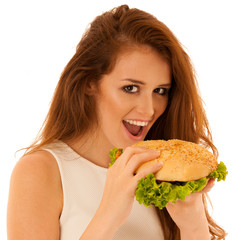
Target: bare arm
35 198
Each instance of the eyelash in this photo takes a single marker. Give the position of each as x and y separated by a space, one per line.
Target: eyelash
128 89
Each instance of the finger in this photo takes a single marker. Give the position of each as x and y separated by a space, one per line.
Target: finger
138 159
152 169
128 153
209 186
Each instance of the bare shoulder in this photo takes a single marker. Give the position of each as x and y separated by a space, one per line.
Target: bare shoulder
38 170
40 164
35 197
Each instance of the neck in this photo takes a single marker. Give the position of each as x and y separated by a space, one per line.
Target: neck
93 149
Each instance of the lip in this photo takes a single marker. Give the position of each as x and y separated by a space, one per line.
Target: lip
132 137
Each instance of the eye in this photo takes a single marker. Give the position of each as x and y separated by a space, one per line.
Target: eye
161 91
130 88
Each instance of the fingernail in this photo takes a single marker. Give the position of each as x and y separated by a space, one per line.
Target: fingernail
159 164
156 151
213 182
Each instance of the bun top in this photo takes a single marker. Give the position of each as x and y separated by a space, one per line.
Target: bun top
182 161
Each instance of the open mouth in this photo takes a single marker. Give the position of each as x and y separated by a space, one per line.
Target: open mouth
134 127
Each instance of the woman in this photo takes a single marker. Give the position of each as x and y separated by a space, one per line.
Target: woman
129 80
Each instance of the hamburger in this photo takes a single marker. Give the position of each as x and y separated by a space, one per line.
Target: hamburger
187 167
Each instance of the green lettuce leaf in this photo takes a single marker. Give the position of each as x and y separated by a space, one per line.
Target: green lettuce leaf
220 173
159 194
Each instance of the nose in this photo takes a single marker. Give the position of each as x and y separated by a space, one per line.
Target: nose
145 106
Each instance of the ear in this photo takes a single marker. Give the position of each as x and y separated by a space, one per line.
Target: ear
91 88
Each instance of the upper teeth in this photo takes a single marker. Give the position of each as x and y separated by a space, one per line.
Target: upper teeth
138 123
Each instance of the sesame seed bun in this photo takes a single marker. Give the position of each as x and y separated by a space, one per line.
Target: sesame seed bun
182 161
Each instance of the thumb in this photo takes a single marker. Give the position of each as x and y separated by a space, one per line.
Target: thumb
209 186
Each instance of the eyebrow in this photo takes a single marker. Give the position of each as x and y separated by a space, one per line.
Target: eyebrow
143 83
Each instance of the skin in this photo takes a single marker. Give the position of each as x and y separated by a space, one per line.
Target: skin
36 198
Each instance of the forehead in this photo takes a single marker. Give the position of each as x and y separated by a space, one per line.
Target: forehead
141 63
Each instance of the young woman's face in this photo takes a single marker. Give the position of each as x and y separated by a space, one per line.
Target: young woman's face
132 97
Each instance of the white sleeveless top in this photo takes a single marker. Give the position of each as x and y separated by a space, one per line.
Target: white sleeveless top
83 184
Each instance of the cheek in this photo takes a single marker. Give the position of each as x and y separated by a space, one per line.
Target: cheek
112 106
161 106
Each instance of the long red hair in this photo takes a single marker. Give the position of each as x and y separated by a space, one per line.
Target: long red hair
73 108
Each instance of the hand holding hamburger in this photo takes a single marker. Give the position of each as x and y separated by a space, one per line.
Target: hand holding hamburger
187 167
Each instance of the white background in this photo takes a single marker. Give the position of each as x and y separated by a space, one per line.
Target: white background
38 38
